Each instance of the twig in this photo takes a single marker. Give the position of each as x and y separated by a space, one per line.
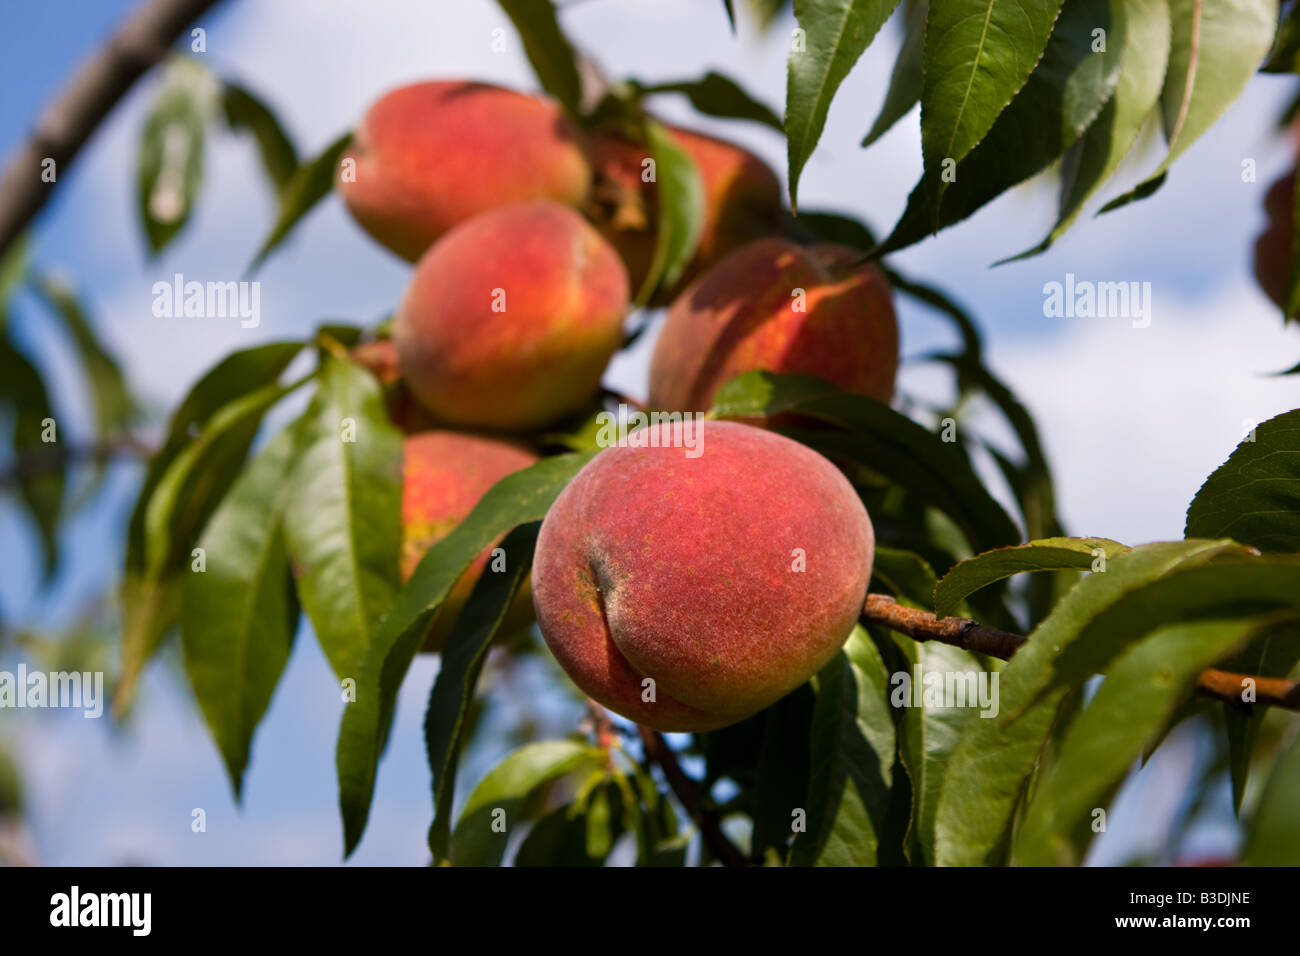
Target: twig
969 635
65 125
40 460
657 749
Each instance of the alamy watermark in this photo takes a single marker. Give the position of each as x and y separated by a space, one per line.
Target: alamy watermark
945 689
179 299
61 689
633 428
1085 299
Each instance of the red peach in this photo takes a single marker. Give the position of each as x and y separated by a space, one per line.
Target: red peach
1273 247
747 313
431 155
721 582
511 318
444 476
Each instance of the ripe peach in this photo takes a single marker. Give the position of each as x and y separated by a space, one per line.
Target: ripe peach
1273 247
742 200
430 155
510 319
727 579
444 474
781 307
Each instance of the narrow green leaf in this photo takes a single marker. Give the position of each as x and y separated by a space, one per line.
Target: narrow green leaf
908 575
1254 497
244 111
462 662
13 269
1141 691
494 806
342 523
731 13
905 81
177 508
853 741
310 183
1061 98
681 210
547 49
1274 838
992 762
978 54
1216 46
834 33
1274 655
717 95
871 433
240 612
114 406
1047 554
930 732
783 771
1097 154
170 162
517 499
24 396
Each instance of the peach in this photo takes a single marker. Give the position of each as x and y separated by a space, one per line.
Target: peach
511 318
1273 247
688 593
781 307
444 474
742 200
431 155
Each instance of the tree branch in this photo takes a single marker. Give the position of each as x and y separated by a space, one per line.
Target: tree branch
969 635
657 749
55 456
65 125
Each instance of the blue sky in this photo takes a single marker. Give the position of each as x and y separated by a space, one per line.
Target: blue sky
1133 418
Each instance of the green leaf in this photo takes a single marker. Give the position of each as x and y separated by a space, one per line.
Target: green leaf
1215 48
783 771
1274 838
310 183
516 499
170 162
492 809
23 393
905 81
929 733
1274 655
240 613
978 54
175 506
681 210
244 111
835 34
1047 554
577 834
342 522
852 760
717 95
547 49
113 404
13 269
1254 497
1097 154
873 434
1141 691
462 662
908 575
731 13
992 763
1285 55
1061 98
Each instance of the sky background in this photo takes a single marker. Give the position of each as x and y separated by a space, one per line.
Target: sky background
1133 419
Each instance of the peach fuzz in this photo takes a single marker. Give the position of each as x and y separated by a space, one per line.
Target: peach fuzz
510 319
431 155
686 571
745 314
444 474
